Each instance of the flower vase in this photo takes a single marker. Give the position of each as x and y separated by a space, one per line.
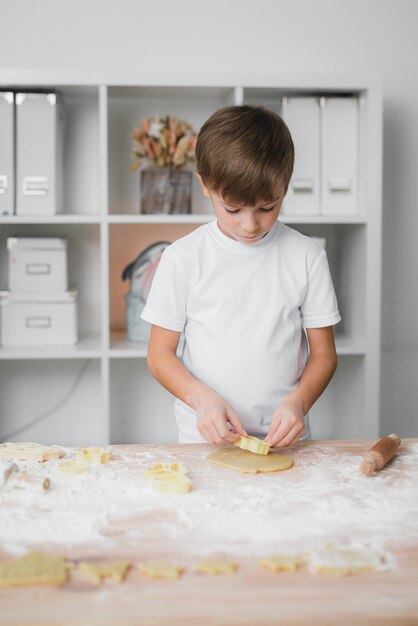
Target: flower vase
166 191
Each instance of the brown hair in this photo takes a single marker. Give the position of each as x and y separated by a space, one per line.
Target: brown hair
243 152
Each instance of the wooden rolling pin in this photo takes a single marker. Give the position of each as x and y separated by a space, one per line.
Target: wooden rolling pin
381 453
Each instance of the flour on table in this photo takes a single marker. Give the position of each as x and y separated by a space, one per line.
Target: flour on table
112 506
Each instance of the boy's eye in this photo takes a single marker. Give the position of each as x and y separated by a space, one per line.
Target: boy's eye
262 210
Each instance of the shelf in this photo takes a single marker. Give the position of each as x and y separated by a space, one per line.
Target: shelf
121 347
193 218
62 218
323 219
160 219
349 346
117 399
88 347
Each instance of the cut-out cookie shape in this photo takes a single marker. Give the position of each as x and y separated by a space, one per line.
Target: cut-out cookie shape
97 572
162 469
93 455
342 560
35 568
160 569
73 467
172 482
28 451
216 566
253 444
282 562
248 463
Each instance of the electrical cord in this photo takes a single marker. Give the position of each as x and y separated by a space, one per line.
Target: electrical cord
57 406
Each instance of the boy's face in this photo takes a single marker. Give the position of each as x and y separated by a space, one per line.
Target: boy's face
246 224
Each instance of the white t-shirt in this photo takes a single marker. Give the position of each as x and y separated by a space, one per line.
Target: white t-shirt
243 309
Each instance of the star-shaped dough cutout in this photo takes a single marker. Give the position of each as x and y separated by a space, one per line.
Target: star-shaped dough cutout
160 569
216 566
281 562
96 572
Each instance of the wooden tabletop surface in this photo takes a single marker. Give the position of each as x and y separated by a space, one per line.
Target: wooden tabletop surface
253 595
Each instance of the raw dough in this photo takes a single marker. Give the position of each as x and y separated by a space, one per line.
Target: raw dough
343 559
160 569
93 455
282 562
253 444
161 469
73 467
216 567
248 463
28 452
35 568
96 572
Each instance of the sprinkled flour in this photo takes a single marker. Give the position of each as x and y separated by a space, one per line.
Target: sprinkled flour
113 507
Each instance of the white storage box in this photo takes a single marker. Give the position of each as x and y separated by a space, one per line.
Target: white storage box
37 264
51 319
7 154
302 115
38 158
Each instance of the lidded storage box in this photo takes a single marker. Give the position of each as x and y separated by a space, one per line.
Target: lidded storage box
37 264
51 319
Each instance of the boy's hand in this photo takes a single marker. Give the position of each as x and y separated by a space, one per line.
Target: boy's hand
213 415
287 424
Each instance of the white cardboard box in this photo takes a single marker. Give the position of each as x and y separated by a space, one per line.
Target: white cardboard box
38 154
7 154
37 264
339 156
302 115
51 319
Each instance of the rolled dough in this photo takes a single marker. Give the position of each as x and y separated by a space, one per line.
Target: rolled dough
35 568
248 463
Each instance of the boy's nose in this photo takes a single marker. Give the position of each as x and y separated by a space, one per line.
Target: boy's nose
249 225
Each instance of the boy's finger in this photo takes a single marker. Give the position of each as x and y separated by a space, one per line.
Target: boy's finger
238 427
223 431
231 436
281 432
272 433
291 437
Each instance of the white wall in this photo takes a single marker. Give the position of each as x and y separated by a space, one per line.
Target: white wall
354 37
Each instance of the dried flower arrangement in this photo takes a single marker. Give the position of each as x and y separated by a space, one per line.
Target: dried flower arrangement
163 142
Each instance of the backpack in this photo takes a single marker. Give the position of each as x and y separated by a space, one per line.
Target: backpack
141 273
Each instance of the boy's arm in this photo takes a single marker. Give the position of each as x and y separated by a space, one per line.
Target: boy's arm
288 420
213 412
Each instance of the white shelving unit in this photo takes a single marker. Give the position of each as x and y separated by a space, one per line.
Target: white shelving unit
116 400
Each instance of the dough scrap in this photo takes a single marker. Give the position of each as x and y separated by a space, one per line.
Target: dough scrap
343 559
253 444
160 569
282 562
35 568
173 482
73 467
93 455
96 572
248 463
28 451
161 469
216 566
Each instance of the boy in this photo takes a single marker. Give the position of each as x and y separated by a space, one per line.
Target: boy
243 288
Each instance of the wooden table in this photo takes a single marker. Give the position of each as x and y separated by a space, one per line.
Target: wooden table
251 596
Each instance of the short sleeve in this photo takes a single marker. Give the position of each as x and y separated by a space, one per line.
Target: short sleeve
319 307
166 302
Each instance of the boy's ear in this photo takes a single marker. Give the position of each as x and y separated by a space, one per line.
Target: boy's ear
202 184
